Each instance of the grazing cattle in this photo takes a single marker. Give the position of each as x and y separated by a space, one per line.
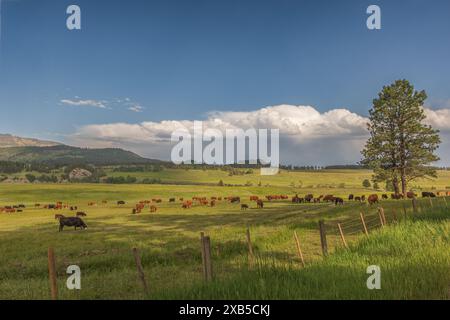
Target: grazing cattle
244 206
81 214
187 204
309 197
59 216
213 203
254 198
350 197
19 210
428 195
338 200
358 199
120 202
384 196
22 206
396 196
297 199
71 222
260 204
235 199
172 200
411 195
363 198
372 199
153 208
91 204
276 197
37 205
317 200
181 199
133 211
328 198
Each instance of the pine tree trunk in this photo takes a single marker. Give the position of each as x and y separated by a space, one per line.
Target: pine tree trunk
404 183
395 184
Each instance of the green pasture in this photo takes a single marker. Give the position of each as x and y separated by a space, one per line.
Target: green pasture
413 250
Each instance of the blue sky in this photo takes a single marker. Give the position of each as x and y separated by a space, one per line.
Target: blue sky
179 60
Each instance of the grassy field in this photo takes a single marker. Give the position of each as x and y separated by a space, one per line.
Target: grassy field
413 253
295 180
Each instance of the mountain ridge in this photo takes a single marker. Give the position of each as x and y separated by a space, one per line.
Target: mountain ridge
18 149
8 140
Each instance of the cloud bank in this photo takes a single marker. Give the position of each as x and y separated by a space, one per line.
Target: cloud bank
84 103
307 137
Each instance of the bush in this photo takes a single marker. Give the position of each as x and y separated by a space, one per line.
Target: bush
366 183
151 181
30 177
47 178
121 180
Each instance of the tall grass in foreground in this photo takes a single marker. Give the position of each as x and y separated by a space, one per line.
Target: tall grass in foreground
414 257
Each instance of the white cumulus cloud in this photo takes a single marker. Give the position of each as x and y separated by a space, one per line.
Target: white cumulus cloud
84 103
307 136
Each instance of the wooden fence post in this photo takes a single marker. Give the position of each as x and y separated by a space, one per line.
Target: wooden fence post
404 211
445 201
207 268
383 215
140 270
342 235
299 250
363 223
52 274
323 237
431 202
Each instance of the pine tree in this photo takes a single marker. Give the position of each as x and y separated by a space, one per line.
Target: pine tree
401 147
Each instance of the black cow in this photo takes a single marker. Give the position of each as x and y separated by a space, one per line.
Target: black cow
120 202
338 201
428 195
71 222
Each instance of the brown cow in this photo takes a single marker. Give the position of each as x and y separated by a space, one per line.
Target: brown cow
81 214
372 199
244 206
59 216
309 197
411 195
260 204
153 208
